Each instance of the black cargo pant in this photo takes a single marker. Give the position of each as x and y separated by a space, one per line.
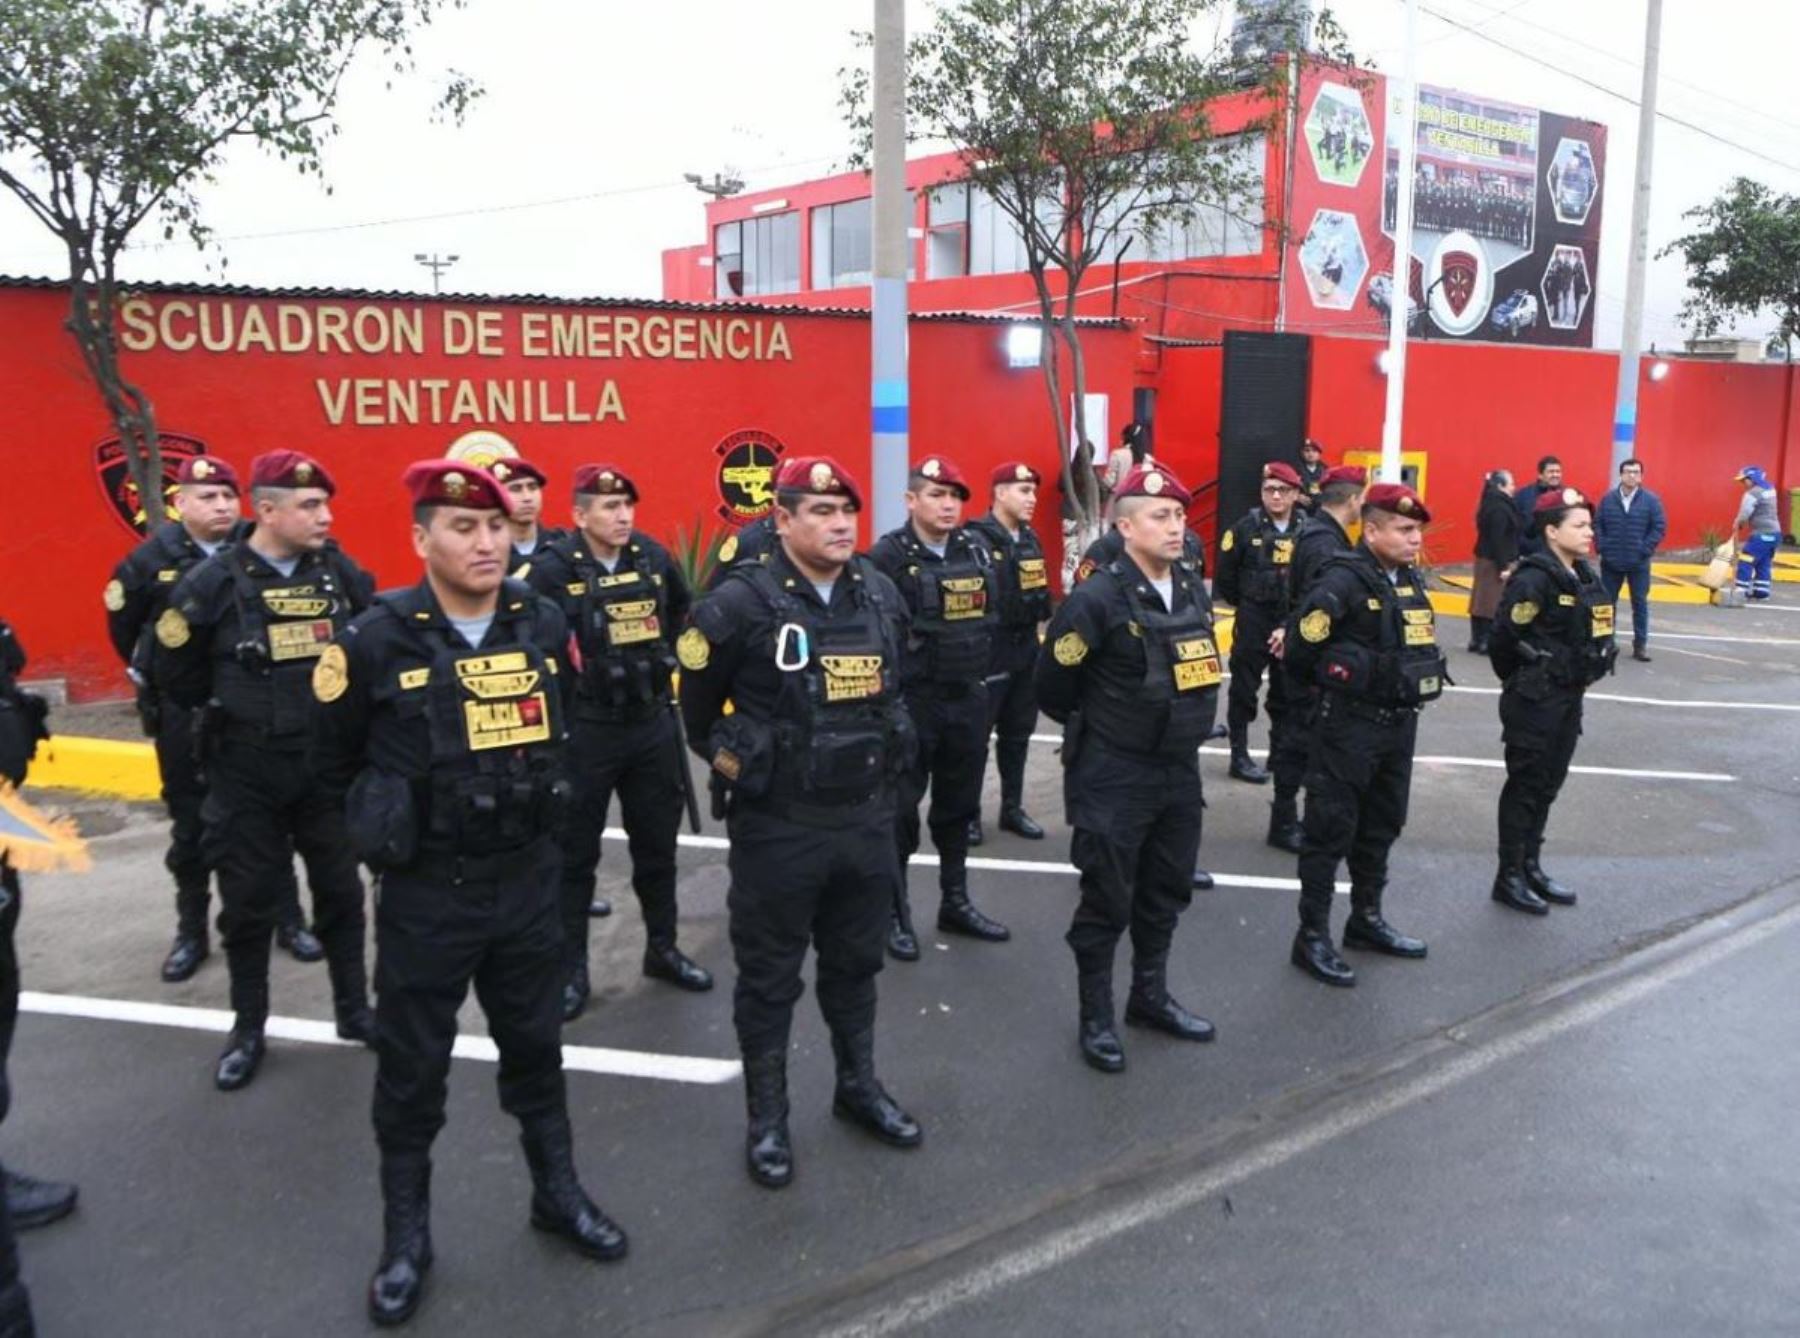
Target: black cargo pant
827 882
1012 709
637 759
1136 836
262 805
15 1303
952 727
1250 660
183 793
1358 782
1290 743
440 926
1540 739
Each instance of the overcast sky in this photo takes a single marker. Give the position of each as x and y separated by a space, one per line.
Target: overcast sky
566 178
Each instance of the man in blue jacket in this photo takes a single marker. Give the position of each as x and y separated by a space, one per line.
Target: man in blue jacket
1629 527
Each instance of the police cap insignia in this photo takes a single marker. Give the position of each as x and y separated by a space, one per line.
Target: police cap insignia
500 470
1405 504
1022 473
172 629
1572 498
1316 626
606 478
456 487
202 469
1228 542
1070 649
1153 483
693 649
113 596
303 473
728 549
931 468
1524 611
331 675
820 478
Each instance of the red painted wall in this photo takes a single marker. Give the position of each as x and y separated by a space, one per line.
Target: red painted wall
57 553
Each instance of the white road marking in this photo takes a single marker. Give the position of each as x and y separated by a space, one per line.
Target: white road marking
1658 701
1704 655
1494 763
1735 640
582 1058
1060 1246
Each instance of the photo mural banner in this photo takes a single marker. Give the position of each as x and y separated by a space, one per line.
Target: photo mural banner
1506 216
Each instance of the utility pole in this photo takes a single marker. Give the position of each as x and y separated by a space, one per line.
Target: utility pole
436 264
1624 439
888 396
1402 124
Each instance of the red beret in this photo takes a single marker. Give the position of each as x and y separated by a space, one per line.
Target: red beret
1015 471
604 480
207 471
1153 480
1346 474
1281 472
940 469
289 469
1555 499
508 468
1310 445
1398 499
819 475
455 483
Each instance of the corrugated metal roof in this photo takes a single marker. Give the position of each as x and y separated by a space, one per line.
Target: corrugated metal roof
545 300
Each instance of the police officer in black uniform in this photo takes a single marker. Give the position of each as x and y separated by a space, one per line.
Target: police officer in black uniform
1255 558
525 484
808 647
1552 638
1366 635
1312 473
1323 534
1024 580
625 599
946 576
442 725
240 638
1131 669
753 543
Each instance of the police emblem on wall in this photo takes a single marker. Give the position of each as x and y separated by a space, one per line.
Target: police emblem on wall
747 463
481 448
113 472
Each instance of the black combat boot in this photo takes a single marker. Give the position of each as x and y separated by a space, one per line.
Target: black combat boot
1510 887
35 1203
1315 954
767 1149
1478 635
664 961
1557 894
558 1202
599 908
1367 929
1202 881
975 835
185 956
576 990
957 914
1151 1005
15 1311
1285 830
861 1099
1242 767
1014 819
350 996
399 1282
244 1049
902 943
1010 755
1099 1041
299 942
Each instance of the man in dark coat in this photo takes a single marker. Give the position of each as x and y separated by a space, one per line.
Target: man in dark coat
1498 526
1549 479
1628 528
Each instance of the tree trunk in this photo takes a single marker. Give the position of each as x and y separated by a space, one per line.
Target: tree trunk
93 321
1087 479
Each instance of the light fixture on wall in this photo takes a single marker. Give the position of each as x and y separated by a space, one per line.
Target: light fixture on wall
1024 345
1658 370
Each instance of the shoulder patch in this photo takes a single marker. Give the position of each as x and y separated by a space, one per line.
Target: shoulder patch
728 549
113 596
1316 626
693 649
331 675
1070 649
1228 542
1524 611
172 629
1085 570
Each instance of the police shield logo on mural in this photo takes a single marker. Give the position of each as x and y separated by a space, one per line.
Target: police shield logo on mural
112 470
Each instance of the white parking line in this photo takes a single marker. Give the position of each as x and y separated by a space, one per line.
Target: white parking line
1734 640
1657 701
581 1058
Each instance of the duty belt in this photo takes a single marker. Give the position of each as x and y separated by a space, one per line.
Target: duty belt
485 867
823 815
1368 710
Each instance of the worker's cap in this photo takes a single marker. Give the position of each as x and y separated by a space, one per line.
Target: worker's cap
1752 474
1396 499
455 483
604 481
289 469
818 476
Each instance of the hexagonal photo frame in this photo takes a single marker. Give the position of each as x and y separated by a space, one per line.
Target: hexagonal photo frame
1573 180
1338 134
1567 286
1333 259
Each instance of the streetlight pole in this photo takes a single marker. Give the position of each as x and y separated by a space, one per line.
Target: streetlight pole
1402 125
436 264
1624 441
888 393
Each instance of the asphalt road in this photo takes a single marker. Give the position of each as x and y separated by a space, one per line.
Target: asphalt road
1626 1167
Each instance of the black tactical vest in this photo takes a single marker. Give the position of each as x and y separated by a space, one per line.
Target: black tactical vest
839 723
1582 622
1172 711
1267 564
620 624
955 603
1407 667
1023 577
284 623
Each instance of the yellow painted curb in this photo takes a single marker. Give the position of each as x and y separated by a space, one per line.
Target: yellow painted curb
1671 570
1449 602
97 766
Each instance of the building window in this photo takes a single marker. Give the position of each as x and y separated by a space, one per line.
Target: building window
756 257
1232 227
947 231
843 244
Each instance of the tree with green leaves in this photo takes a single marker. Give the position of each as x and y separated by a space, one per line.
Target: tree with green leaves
113 113
1087 124
1743 259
